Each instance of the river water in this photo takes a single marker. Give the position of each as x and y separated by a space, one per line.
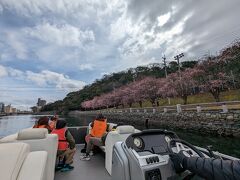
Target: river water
230 146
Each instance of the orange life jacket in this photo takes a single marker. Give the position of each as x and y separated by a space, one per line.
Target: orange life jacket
62 141
99 128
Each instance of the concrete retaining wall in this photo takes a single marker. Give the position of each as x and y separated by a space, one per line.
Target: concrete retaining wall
213 123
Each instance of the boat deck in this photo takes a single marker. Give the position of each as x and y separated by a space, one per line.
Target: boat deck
86 170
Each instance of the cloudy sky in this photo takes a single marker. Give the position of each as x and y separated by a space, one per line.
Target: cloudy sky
51 47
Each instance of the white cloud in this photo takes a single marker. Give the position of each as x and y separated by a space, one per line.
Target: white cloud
44 78
120 27
1 9
86 67
29 7
36 78
60 81
15 73
61 35
3 71
63 8
143 39
17 45
163 19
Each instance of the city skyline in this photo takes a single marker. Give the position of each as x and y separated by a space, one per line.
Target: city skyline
8 108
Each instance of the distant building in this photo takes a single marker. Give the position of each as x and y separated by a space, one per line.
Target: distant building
14 110
2 106
41 102
36 109
8 109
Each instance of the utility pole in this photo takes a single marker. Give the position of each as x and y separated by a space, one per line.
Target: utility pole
178 57
165 65
233 79
165 68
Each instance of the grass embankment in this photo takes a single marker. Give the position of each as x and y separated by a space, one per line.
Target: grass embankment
232 95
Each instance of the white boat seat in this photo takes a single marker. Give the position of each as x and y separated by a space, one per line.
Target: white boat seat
18 163
121 134
39 140
34 167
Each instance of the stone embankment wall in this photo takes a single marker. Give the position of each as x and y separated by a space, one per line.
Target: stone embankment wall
213 123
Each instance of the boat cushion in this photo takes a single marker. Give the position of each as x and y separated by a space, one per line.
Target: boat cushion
34 166
35 133
9 138
38 142
126 129
48 144
12 156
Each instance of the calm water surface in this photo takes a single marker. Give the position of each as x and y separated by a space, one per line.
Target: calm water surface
230 146
12 124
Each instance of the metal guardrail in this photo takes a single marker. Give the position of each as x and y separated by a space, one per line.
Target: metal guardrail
223 107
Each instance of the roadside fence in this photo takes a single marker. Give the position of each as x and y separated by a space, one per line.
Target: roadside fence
223 107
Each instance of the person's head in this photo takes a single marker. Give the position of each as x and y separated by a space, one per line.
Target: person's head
54 118
61 124
43 121
100 116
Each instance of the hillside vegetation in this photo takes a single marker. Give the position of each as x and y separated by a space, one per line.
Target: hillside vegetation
212 74
112 81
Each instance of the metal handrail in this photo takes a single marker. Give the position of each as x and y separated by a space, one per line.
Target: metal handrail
188 107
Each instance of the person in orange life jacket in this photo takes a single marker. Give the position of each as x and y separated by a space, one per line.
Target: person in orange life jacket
43 123
66 145
53 121
99 128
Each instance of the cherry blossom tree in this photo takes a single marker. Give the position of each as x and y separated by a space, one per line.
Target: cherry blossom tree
212 78
106 100
166 90
231 58
135 92
145 89
127 95
182 83
87 105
